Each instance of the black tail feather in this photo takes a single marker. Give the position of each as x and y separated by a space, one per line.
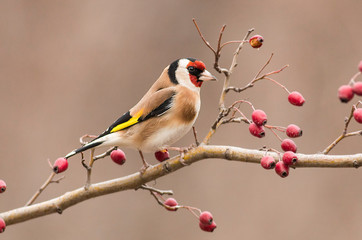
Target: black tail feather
82 149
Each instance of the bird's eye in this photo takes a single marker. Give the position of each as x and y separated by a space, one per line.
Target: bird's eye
191 69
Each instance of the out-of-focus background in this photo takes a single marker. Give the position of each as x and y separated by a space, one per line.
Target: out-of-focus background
69 68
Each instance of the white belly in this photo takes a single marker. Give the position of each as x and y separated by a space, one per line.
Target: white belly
165 138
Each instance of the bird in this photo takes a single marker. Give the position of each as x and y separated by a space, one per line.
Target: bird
164 114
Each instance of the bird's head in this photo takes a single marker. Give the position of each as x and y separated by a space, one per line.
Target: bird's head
189 72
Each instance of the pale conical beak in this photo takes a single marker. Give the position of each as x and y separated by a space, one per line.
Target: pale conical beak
207 76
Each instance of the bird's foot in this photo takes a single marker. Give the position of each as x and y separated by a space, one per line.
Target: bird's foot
144 167
145 164
182 151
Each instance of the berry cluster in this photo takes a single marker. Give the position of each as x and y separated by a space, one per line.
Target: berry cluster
2 189
288 157
347 92
257 127
206 220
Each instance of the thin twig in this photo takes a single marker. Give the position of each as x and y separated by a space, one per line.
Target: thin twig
105 154
195 136
82 141
152 189
41 189
231 69
252 82
352 81
202 37
264 66
344 132
89 170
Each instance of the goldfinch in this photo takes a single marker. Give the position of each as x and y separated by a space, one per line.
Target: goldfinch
164 114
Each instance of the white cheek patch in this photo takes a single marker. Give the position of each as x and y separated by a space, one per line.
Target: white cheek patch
183 75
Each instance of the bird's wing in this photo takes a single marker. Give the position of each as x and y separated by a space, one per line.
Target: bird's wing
154 105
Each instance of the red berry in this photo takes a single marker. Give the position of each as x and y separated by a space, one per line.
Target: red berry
259 117
345 93
206 218
60 165
207 227
257 131
357 88
296 98
289 158
281 169
267 162
2 225
2 186
162 155
118 156
360 66
293 131
357 114
289 145
170 204
256 41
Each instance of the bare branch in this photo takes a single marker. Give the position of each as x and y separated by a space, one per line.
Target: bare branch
344 132
136 180
202 37
105 154
151 189
41 189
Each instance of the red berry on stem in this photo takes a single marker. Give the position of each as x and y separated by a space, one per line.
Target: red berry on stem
171 204
296 98
357 115
207 227
289 158
60 165
281 169
257 131
345 93
293 131
357 88
256 41
206 218
2 225
267 162
289 145
162 155
259 117
2 186
118 156
360 66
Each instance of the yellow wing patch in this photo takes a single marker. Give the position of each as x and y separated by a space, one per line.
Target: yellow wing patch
133 120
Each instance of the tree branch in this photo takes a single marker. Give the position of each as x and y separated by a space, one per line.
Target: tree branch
136 180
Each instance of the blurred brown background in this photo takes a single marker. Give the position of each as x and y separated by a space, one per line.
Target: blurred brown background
68 68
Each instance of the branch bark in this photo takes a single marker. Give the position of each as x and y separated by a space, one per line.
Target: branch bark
136 180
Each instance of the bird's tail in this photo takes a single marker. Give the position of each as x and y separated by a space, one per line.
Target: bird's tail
84 148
